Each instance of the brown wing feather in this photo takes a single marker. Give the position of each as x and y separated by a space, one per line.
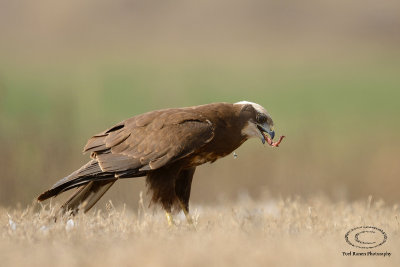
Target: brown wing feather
151 140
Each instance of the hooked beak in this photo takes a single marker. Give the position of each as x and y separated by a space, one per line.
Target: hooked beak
265 128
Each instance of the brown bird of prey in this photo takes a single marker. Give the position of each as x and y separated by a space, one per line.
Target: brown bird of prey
166 146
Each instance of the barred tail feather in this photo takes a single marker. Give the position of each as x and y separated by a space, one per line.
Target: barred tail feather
91 171
86 196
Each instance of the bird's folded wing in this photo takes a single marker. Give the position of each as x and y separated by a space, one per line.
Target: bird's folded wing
150 141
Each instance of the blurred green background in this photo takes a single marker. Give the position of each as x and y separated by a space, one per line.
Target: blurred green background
327 71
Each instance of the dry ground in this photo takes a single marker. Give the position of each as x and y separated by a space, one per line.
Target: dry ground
290 232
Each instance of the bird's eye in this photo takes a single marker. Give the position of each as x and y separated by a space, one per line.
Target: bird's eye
261 118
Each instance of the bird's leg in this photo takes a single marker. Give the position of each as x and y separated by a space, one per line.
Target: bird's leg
169 218
186 212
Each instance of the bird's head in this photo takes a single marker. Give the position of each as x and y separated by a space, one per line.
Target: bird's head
257 121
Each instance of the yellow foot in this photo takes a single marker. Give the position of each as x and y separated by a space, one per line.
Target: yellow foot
187 215
169 218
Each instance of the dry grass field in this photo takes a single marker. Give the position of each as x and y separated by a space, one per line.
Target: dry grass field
285 232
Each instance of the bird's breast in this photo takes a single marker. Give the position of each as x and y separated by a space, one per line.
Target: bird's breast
202 158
